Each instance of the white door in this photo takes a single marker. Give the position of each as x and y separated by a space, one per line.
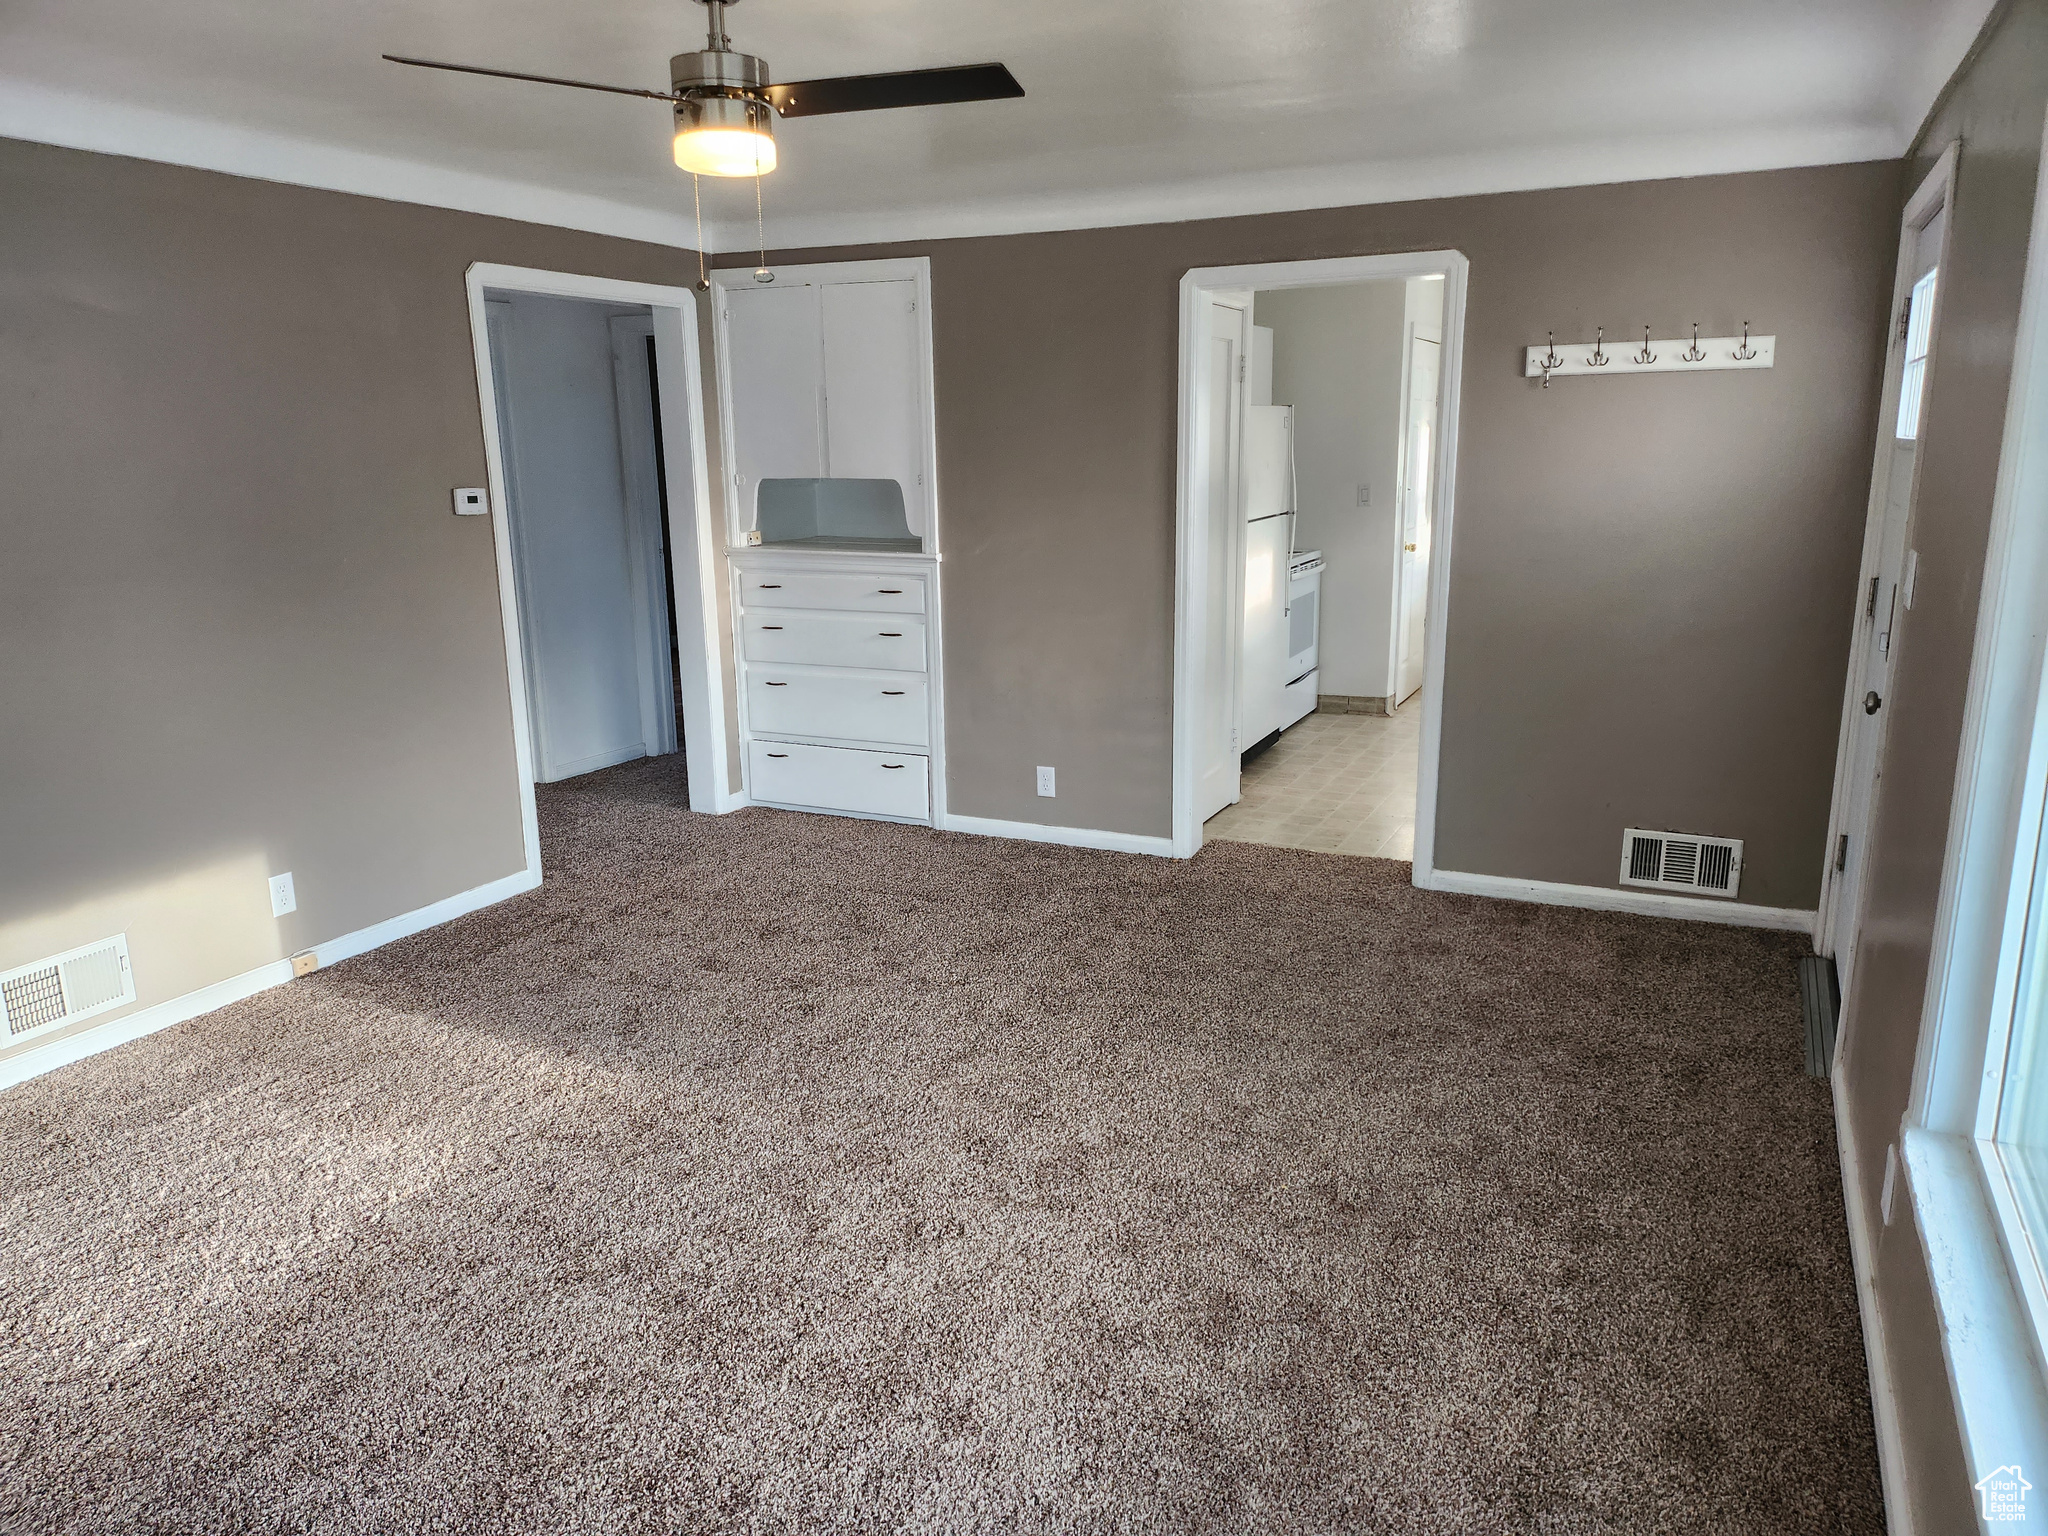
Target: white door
775 371
641 458
1217 753
874 395
1883 600
584 641
1418 502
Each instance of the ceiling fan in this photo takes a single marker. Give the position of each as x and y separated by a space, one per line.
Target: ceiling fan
725 107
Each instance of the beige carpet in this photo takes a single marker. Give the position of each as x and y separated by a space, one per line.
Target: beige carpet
788 1174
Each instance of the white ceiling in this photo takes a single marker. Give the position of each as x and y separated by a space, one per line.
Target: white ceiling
1136 109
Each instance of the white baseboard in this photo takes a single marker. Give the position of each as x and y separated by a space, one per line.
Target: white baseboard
1071 837
1694 909
1884 1405
576 767
176 1010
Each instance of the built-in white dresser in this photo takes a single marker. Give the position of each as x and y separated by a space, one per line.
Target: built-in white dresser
838 711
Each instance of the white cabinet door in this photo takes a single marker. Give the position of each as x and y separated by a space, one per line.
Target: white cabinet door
840 778
1265 629
874 399
775 372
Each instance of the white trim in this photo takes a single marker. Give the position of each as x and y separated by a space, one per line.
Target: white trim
1598 898
72 121
1934 192
176 1010
1532 168
1197 290
692 545
1929 68
1071 837
1884 1400
1996 805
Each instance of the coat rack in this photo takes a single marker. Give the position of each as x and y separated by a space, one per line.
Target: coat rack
1694 354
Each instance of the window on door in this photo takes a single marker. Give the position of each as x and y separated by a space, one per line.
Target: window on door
1919 331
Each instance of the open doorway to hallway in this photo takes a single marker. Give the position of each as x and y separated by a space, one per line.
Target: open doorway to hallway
1325 450
578 406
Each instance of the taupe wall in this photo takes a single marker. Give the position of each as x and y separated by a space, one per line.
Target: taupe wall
1652 582
1337 360
1995 107
242 630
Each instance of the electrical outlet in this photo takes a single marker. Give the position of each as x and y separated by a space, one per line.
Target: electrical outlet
305 963
1891 1179
472 501
1045 781
283 898
1365 495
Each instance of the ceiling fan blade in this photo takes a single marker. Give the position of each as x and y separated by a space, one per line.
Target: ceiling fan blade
909 88
513 74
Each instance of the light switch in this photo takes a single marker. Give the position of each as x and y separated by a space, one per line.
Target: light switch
472 501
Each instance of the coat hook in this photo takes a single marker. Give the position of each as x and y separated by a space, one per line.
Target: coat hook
1646 356
1599 357
1745 352
1693 354
1551 361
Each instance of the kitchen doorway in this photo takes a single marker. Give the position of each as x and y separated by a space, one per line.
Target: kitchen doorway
1322 499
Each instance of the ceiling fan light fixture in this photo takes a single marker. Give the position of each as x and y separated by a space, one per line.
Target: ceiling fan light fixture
721 151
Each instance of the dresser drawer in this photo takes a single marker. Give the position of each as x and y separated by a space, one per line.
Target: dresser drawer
840 778
884 642
832 589
853 706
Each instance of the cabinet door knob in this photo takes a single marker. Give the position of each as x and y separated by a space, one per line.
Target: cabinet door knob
887 693
771 626
1872 703
776 586
892 765
778 754
890 591
1409 547
778 685
892 634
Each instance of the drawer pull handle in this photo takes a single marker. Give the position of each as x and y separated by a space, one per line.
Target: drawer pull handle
892 765
890 591
892 634
887 693
770 586
778 754
771 626
778 685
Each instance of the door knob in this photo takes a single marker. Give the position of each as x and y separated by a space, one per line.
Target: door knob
1872 703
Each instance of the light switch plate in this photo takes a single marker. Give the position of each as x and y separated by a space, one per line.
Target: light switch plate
472 501
283 898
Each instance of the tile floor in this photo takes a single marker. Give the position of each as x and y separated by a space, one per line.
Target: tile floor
1334 783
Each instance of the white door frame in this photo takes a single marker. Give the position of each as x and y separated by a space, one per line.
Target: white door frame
1935 192
694 551
1191 620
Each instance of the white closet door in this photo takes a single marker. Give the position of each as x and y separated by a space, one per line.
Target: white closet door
874 400
775 373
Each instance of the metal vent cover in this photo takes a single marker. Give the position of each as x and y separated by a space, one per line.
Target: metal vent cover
1680 861
62 989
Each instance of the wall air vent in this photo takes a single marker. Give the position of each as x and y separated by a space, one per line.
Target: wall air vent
48 994
1674 861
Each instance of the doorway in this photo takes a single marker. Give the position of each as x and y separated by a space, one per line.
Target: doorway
1885 588
594 438
1316 474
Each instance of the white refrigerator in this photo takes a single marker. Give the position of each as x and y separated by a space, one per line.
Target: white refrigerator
1266 704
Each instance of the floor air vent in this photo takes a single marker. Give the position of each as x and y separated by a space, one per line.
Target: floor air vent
1673 861
63 989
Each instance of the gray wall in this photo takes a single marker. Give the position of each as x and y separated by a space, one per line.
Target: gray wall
1652 580
1337 361
243 630
1995 106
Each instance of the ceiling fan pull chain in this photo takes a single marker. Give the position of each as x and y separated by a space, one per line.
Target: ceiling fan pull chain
761 273
697 197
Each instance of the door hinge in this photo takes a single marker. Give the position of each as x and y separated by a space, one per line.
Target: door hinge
1842 853
1906 318
1240 368
1870 607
